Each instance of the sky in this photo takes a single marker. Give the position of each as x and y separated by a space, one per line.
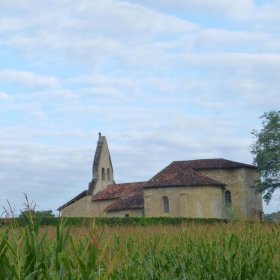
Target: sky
162 80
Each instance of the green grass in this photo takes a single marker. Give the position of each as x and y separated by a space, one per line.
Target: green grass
187 251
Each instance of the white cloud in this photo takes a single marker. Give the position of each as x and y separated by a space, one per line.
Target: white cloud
38 115
28 79
9 24
45 173
259 16
3 96
215 39
91 31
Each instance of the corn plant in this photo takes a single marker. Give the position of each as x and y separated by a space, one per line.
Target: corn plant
189 251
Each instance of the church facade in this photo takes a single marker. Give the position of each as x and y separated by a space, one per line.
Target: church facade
204 188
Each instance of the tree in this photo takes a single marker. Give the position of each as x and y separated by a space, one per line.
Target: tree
266 151
30 210
43 214
38 214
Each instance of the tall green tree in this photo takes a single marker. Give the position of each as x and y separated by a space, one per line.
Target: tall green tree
266 151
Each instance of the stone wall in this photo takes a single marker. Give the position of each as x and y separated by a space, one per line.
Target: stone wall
254 200
98 207
126 213
245 203
77 209
85 207
192 202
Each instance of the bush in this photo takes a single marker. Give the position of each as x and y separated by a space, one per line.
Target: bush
113 221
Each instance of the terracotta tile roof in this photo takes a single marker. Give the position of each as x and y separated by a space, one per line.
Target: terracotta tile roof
76 198
175 175
118 190
216 163
134 200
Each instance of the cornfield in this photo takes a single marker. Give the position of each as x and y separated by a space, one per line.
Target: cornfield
189 251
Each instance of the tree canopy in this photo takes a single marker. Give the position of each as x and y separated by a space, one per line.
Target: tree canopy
266 151
38 214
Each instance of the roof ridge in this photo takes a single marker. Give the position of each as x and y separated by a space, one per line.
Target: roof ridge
218 158
138 182
209 159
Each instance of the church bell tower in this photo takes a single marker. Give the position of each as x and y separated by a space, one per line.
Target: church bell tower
102 168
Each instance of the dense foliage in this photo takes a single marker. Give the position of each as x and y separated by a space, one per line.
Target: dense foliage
266 151
187 251
114 221
272 217
38 214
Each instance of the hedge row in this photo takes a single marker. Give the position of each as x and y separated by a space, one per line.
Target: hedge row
114 221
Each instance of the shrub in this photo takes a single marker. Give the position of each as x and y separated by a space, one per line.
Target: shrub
113 221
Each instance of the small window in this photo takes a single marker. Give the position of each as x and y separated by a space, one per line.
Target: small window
227 198
108 175
103 174
165 204
126 215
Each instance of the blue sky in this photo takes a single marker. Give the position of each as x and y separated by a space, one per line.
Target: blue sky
163 80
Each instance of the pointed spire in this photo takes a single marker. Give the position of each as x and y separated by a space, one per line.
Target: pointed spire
102 169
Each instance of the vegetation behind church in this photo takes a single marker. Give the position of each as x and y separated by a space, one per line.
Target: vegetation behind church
266 151
129 221
113 221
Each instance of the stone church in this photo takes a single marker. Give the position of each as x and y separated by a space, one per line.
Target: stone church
203 188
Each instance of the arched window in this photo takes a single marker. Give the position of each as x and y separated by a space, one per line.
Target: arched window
227 198
108 175
103 174
165 201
